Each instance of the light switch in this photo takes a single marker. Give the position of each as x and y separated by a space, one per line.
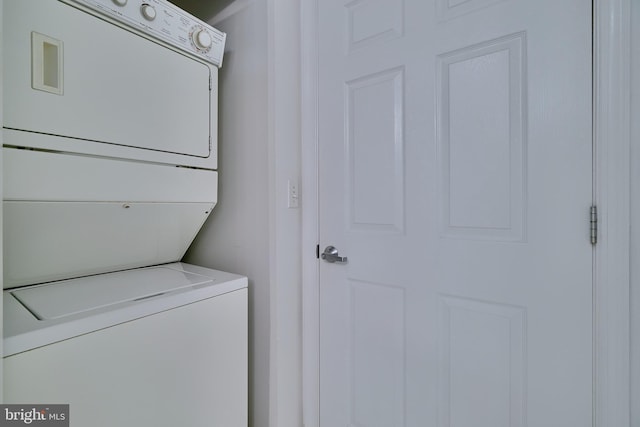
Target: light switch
293 199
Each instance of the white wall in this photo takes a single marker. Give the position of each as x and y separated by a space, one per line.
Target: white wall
236 236
1 186
285 227
252 231
635 213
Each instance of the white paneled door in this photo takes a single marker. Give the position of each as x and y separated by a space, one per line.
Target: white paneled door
455 174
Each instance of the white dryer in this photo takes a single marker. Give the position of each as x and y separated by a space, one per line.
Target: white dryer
109 171
109 135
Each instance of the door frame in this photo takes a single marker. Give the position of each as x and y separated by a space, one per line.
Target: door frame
611 183
612 194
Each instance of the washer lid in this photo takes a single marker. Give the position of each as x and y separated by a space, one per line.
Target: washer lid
65 298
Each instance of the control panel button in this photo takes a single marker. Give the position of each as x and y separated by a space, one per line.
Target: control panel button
148 11
202 39
120 2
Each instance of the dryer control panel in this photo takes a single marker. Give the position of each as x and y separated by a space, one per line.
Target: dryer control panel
164 21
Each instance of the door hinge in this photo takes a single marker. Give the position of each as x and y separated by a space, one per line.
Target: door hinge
210 83
318 251
593 224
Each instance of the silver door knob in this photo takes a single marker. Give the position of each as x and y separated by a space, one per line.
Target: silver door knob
330 254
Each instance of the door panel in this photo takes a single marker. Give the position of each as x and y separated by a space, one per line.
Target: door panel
481 139
455 174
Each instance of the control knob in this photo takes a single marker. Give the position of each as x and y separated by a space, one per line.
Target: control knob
120 2
148 11
201 39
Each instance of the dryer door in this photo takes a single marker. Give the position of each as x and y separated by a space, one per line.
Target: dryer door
74 75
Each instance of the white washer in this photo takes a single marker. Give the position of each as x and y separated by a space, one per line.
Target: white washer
159 346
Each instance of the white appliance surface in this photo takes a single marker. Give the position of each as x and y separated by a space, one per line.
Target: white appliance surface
39 315
110 157
167 347
109 135
78 82
166 22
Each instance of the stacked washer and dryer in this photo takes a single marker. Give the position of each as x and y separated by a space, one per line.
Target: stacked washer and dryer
109 170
